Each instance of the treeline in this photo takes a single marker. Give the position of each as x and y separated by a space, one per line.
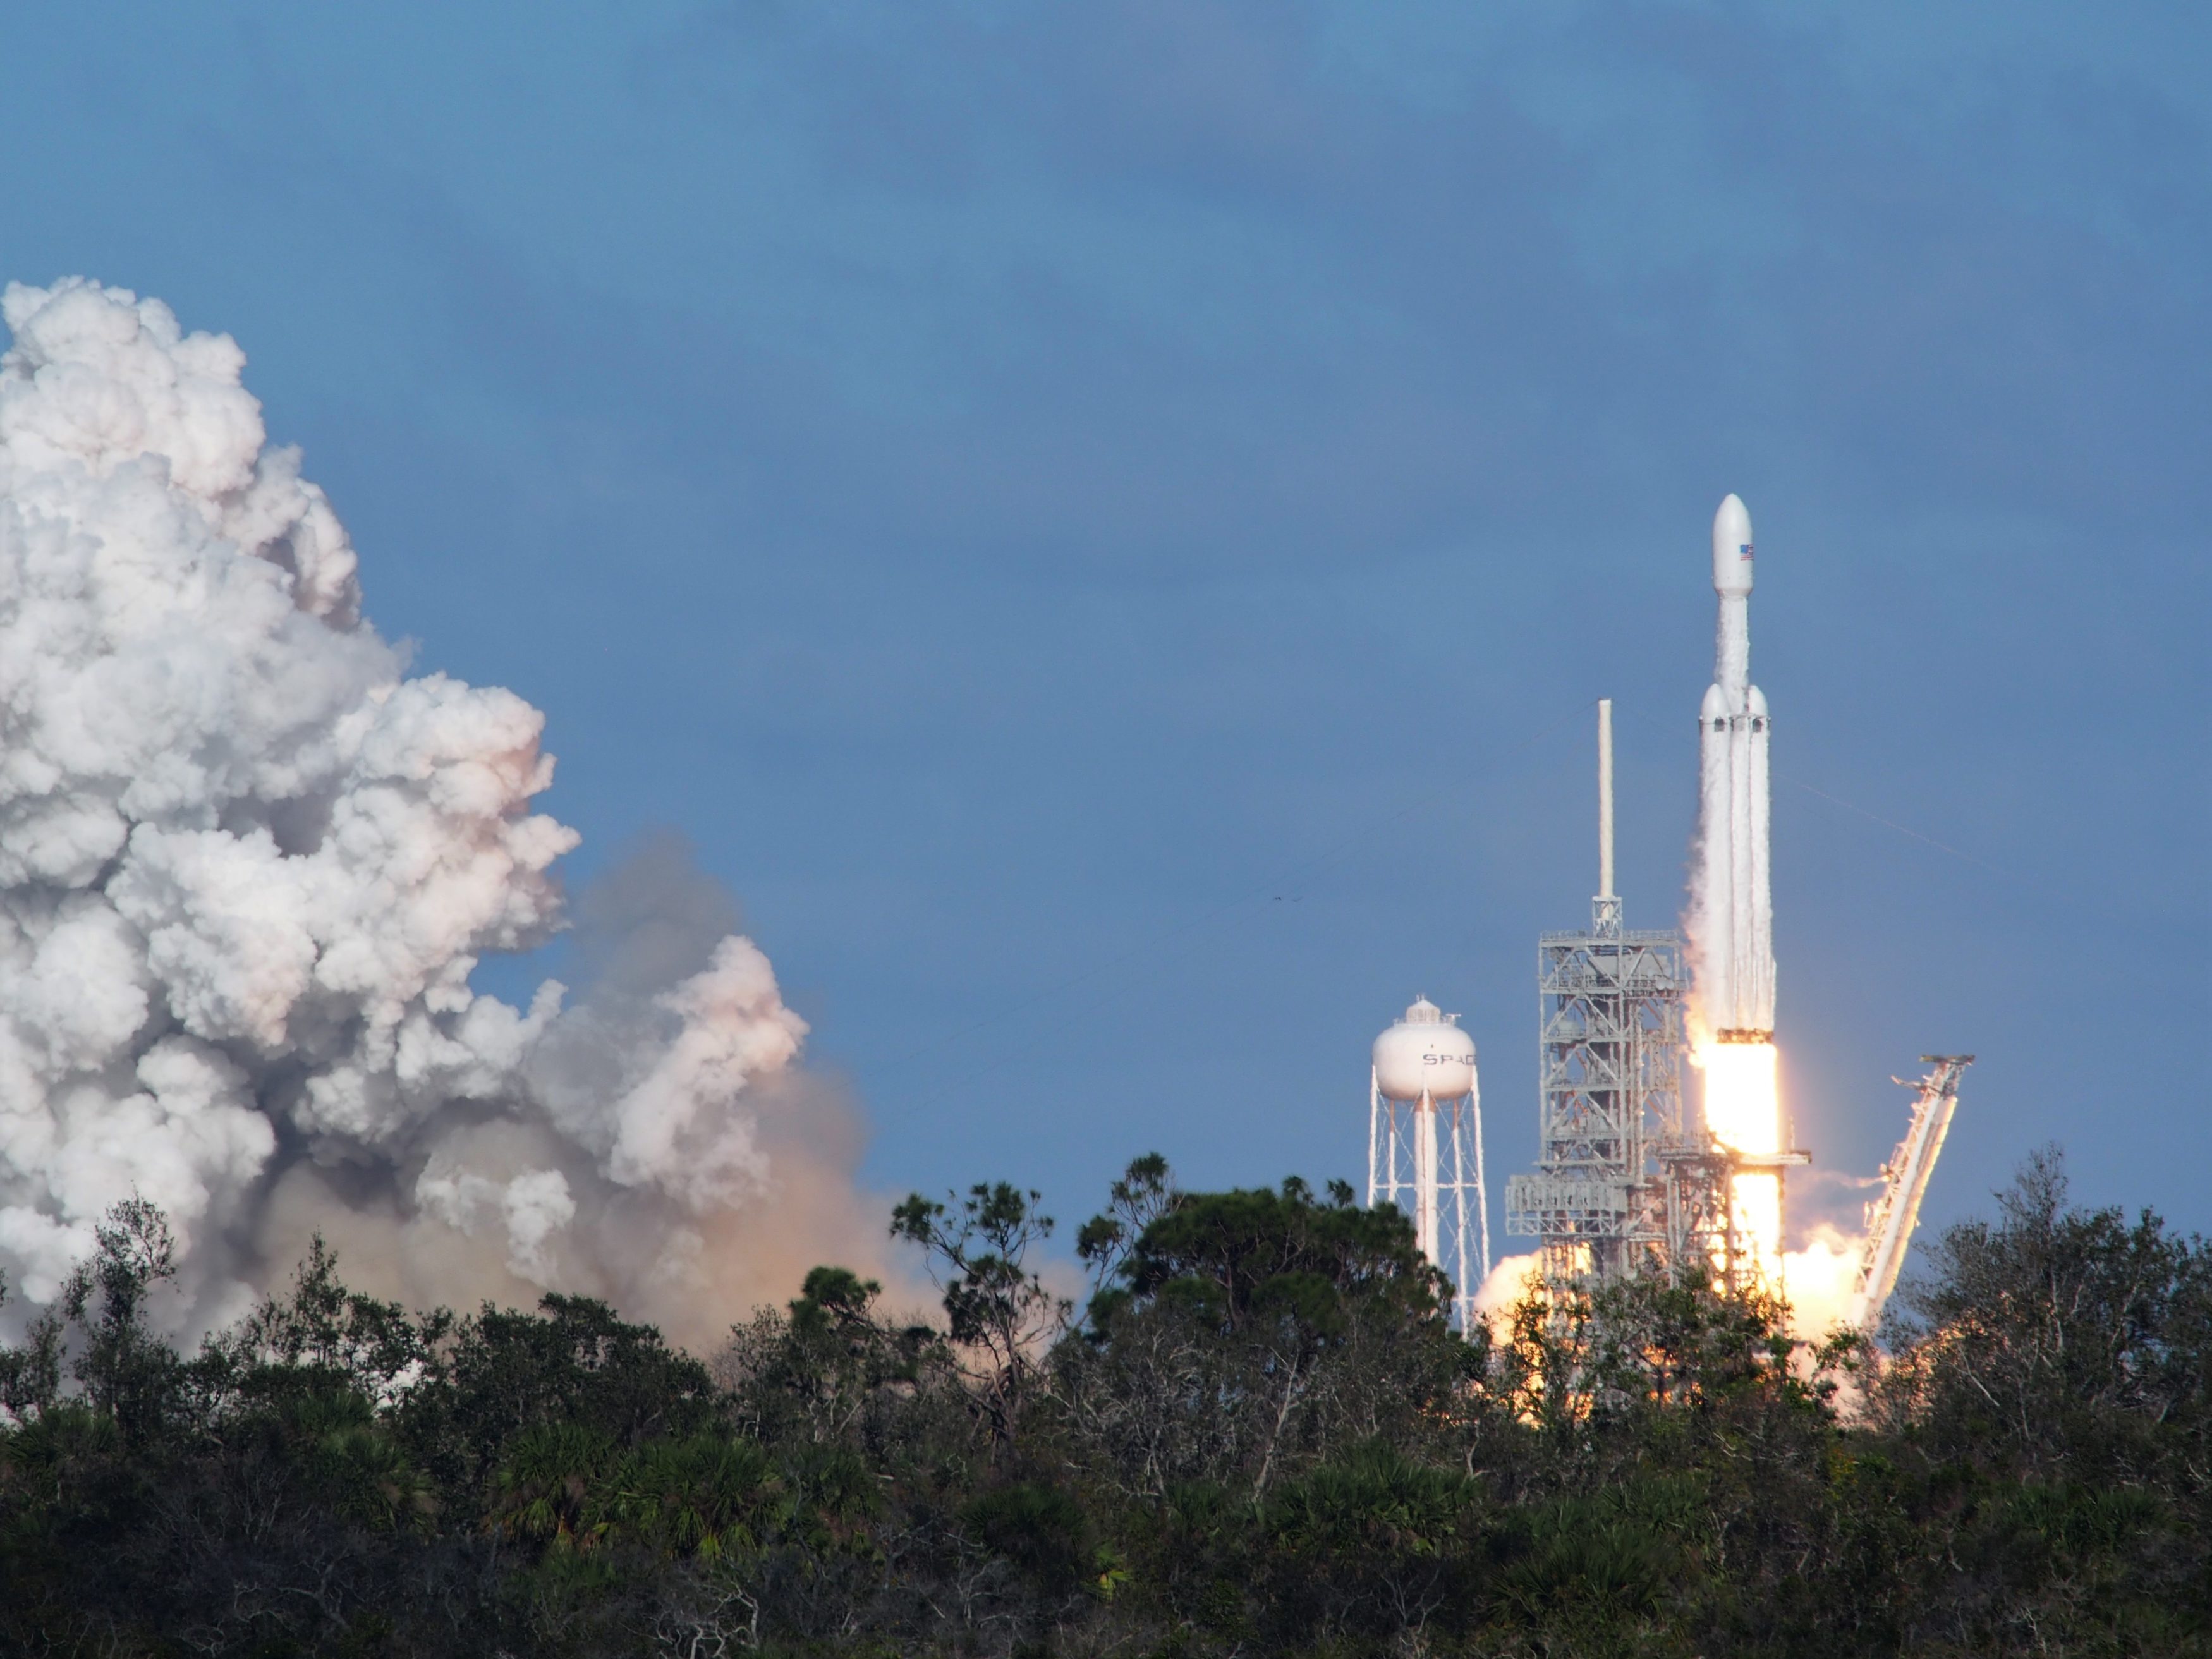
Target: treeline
1257 1437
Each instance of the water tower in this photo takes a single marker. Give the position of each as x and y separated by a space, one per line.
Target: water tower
1425 1143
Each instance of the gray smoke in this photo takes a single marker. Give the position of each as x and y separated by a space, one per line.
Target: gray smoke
247 866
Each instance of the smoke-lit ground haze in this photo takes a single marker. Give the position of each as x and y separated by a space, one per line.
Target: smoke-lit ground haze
1102 524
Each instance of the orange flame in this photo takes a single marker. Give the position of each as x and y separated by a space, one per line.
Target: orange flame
1743 1110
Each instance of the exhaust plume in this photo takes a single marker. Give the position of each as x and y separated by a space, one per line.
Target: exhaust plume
247 865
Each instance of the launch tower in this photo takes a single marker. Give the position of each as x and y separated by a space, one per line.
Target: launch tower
1624 1182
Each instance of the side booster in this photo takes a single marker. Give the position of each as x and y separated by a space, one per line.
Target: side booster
1734 936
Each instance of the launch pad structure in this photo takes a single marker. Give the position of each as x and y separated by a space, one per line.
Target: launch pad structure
1628 1182
1892 1217
1619 1185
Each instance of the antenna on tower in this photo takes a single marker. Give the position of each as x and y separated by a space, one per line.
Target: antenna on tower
1605 909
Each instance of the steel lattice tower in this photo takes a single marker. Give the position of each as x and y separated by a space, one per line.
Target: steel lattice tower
1626 1181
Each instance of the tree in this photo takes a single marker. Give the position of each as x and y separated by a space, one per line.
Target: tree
1247 1321
1145 1192
1372 1545
130 1374
322 1330
1262 1439
2055 1337
825 1370
31 1374
573 1363
999 1312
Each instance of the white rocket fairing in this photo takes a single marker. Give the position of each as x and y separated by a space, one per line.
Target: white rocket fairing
1733 930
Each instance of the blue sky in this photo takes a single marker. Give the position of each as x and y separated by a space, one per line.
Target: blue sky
1102 523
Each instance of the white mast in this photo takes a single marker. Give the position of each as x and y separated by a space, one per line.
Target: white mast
1605 799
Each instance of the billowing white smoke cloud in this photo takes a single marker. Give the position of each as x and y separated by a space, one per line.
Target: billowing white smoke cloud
247 866
1513 1279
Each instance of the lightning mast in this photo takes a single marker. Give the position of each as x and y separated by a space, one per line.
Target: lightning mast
1892 1217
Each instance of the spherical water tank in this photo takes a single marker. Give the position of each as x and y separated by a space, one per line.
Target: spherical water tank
1424 1054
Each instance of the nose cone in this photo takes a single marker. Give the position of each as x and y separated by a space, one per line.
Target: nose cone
1732 547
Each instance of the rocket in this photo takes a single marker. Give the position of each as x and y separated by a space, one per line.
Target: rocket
1734 932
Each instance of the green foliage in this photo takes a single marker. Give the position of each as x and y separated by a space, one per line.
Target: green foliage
571 1365
129 1374
704 1495
1144 1193
349 1455
1277 1258
1042 1528
1254 1328
978 1248
323 1330
1582 1562
544 1483
999 1314
2051 1334
1262 1439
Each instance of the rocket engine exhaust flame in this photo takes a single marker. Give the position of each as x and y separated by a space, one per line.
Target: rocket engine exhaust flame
1743 1112
247 865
